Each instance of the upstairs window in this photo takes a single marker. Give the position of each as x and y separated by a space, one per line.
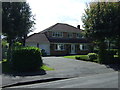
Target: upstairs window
70 35
78 35
59 47
57 34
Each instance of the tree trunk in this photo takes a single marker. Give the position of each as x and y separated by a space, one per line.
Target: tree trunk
9 52
109 45
24 39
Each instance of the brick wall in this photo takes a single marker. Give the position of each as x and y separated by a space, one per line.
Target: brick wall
67 50
65 35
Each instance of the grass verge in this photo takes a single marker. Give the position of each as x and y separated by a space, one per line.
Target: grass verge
46 68
85 58
81 56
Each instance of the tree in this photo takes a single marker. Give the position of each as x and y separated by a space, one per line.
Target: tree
17 21
101 21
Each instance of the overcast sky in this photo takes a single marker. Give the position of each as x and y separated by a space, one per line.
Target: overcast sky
50 12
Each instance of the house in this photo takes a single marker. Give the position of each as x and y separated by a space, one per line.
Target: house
60 39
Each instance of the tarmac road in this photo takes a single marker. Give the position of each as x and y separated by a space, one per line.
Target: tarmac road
64 68
106 80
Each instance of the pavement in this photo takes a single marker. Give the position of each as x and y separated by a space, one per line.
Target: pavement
64 68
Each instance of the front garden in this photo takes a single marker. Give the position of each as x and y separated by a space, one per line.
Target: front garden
112 58
23 59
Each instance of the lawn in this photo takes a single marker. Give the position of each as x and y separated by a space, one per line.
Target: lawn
84 58
81 56
46 68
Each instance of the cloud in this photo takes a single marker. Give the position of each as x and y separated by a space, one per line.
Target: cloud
50 12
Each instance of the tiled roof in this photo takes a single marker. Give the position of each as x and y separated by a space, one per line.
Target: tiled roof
68 40
37 38
60 27
41 37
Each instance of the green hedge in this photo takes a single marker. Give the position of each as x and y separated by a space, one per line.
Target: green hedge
114 51
43 52
92 56
26 59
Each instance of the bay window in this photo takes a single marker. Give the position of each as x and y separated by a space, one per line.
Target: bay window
83 47
59 47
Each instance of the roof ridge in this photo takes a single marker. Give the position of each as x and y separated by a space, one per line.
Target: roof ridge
31 35
52 26
69 25
48 28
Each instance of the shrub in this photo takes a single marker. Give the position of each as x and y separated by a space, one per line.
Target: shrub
78 57
113 51
110 57
17 44
117 60
82 57
96 51
43 52
92 56
26 59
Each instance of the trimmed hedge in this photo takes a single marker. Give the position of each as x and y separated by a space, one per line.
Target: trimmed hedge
92 56
26 59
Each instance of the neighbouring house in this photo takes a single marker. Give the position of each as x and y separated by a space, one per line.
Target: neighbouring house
60 39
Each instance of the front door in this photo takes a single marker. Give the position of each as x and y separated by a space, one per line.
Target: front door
72 48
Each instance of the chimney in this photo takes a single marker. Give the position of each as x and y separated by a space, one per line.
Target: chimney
78 26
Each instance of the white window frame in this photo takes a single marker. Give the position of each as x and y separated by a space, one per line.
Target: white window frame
57 34
83 45
59 47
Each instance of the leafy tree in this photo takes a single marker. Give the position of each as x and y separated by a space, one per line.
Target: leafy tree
17 21
101 21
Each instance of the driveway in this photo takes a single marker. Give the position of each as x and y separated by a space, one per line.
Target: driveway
64 68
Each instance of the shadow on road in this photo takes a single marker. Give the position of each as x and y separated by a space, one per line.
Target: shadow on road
116 67
22 74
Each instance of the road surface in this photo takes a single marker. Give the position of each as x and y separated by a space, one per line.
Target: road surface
80 73
106 80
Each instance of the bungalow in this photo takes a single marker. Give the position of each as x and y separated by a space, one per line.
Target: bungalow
60 39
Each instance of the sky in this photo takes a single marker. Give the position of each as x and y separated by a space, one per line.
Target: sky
50 12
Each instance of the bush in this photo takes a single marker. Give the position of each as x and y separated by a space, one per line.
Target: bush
96 51
43 52
78 58
82 57
26 59
117 60
113 51
110 57
17 44
92 56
